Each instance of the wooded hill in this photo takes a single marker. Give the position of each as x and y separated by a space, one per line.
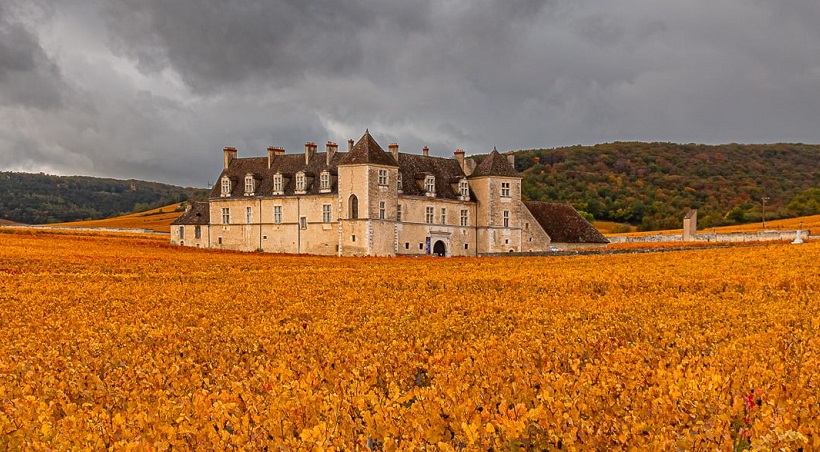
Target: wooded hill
42 198
653 185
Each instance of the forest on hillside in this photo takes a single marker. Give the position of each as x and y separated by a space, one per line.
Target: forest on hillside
653 185
43 198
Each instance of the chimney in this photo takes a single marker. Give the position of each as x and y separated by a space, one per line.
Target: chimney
425 151
230 154
278 151
459 156
350 145
271 155
310 151
394 149
511 158
331 151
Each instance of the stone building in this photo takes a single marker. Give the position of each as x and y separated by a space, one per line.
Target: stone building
367 201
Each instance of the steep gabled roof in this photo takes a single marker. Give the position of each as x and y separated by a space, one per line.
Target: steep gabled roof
367 150
199 213
563 223
494 164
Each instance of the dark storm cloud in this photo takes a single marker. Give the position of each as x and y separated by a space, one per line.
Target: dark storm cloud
154 89
28 78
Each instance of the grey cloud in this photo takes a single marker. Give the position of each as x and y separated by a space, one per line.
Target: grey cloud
28 77
153 89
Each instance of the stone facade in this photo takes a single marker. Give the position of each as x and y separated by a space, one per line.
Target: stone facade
366 202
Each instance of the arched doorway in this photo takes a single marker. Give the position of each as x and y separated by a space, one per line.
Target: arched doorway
440 249
353 205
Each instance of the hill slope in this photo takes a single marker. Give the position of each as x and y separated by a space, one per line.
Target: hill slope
653 185
42 198
158 219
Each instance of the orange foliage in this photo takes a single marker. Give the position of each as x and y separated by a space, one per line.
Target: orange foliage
789 224
117 342
158 219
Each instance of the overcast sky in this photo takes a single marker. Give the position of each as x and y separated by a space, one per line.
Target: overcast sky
154 89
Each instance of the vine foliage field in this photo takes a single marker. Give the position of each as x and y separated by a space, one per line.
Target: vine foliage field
125 342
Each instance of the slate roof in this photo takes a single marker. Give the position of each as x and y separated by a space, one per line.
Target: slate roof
198 214
563 223
414 168
367 150
495 164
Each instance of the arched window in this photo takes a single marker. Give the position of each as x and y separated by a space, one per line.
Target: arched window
353 204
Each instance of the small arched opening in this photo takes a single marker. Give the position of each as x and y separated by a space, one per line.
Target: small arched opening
440 249
353 207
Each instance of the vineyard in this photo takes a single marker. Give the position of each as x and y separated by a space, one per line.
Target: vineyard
118 341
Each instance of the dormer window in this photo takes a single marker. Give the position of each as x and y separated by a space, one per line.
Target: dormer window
300 182
398 182
226 186
324 182
464 189
430 185
277 184
249 183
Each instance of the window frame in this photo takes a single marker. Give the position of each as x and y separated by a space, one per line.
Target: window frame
464 217
430 185
226 186
429 214
278 184
327 213
505 189
277 214
249 185
226 215
506 218
398 212
382 177
324 181
382 210
249 215
443 216
301 182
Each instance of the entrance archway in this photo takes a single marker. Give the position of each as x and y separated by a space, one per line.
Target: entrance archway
440 249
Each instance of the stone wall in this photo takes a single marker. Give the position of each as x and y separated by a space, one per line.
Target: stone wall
732 237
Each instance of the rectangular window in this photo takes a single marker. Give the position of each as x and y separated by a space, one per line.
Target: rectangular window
325 181
398 182
398 212
277 214
382 210
219 240
249 215
277 184
443 215
428 215
506 218
302 222
407 245
463 217
300 182
505 189
226 215
198 232
464 189
430 184
382 177
326 215
226 186
181 232
249 185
